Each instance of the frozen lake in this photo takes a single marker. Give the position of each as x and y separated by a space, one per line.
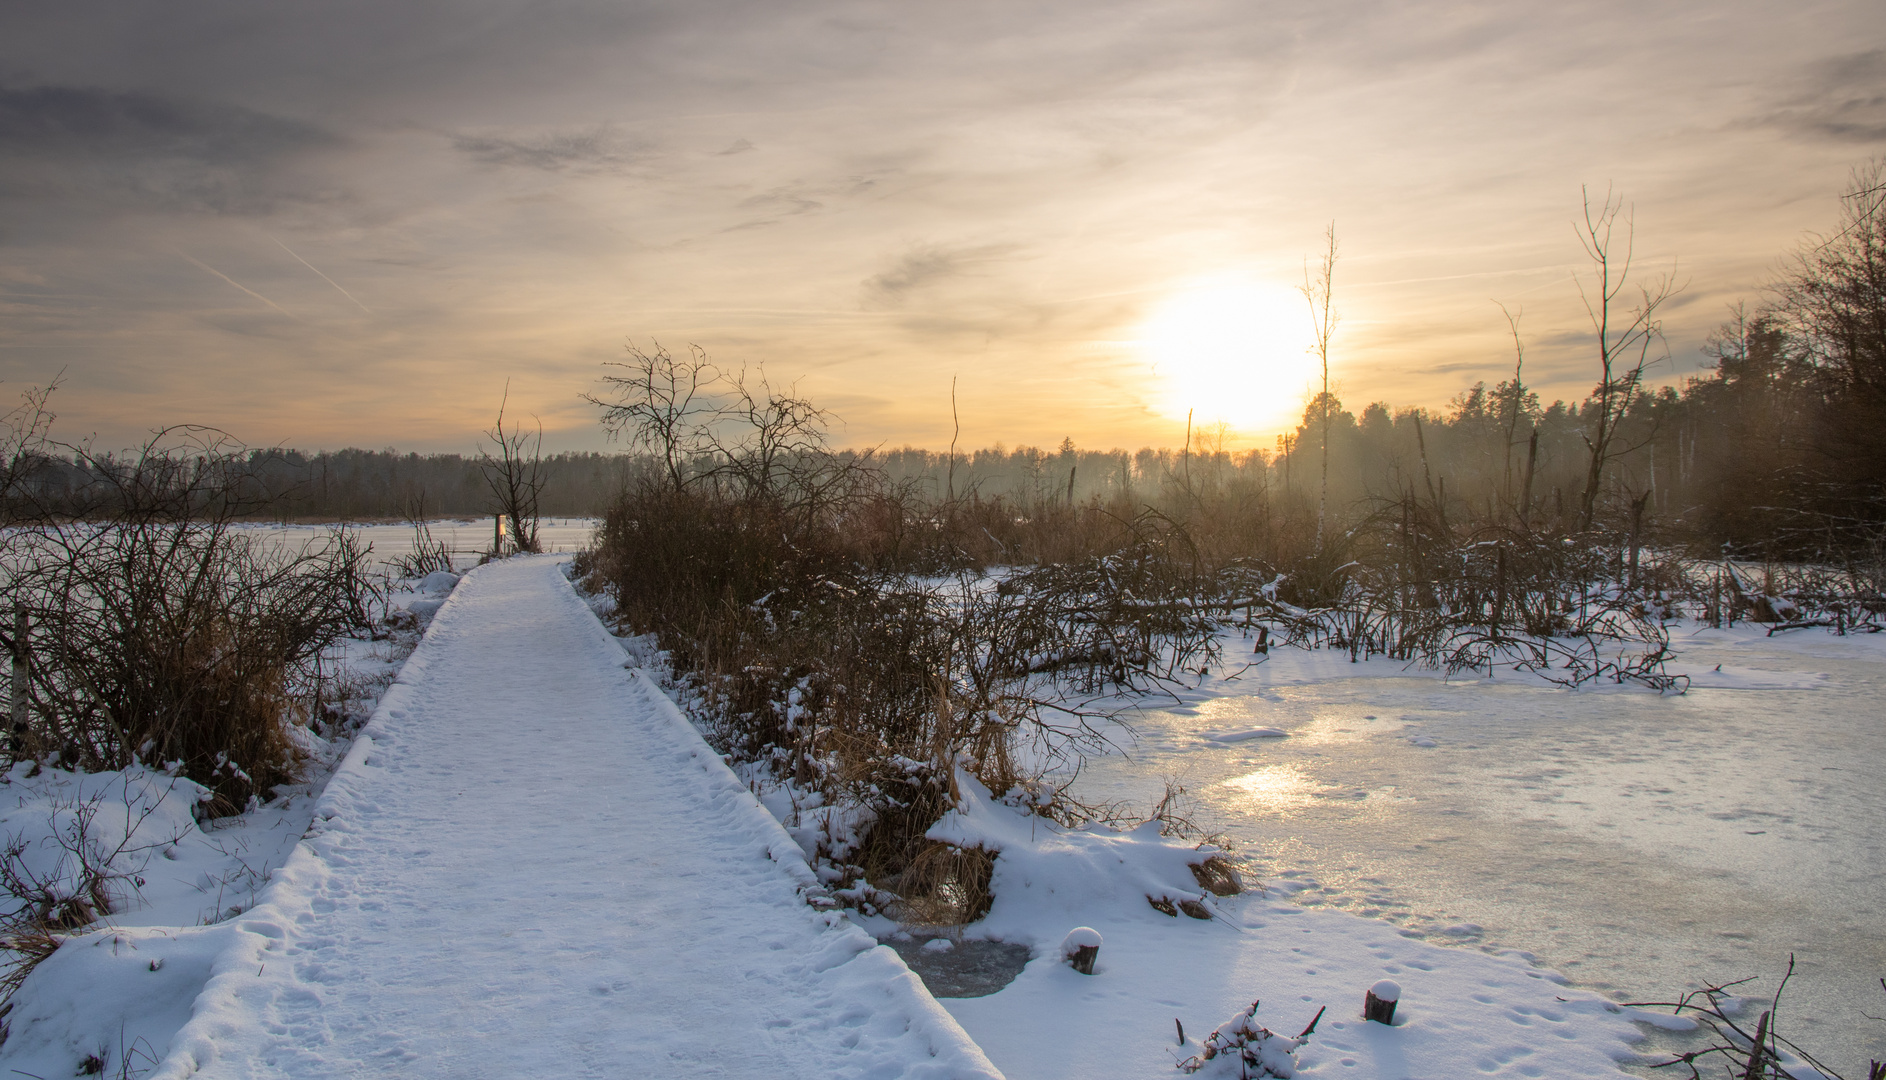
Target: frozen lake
465 538
1640 845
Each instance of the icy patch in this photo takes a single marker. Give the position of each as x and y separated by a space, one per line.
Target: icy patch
974 967
1248 733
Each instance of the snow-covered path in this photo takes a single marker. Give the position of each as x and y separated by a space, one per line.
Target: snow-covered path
531 866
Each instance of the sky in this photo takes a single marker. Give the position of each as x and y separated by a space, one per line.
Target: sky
354 223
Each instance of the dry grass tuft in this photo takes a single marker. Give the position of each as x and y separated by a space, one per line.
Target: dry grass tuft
1219 876
944 885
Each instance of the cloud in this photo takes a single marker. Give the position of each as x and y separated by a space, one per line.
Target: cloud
924 266
64 141
1844 98
595 150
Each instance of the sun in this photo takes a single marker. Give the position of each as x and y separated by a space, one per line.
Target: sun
1232 352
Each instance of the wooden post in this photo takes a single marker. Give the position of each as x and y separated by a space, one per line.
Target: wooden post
1379 1003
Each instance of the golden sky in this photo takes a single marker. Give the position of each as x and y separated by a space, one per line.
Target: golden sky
351 223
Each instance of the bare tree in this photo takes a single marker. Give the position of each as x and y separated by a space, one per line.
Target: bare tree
1318 292
779 435
515 475
662 404
25 434
1625 334
1833 299
1515 407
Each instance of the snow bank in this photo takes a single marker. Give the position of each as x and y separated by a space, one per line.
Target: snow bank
1048 878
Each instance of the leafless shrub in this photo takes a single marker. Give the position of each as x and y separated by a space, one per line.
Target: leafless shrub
1734 1051
514 474
429 555
160 631
1411 588
67 876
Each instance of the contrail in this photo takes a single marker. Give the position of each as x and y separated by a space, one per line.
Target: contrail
324 277
239 285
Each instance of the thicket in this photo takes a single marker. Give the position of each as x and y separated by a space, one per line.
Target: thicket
146 628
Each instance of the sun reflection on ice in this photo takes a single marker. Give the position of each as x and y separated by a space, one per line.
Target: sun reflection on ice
1273 789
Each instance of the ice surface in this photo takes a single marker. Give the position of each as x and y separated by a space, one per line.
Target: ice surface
1248 733
1639 844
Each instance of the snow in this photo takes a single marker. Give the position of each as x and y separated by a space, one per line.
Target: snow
1468 1011
1243 1048
122 989
439 581
529 864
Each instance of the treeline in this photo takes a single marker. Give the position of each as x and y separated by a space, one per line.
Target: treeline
360 485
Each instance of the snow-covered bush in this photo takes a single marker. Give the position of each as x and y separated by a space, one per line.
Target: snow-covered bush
1244 1049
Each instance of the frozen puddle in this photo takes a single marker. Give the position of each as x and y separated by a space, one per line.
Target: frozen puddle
962 969
531 865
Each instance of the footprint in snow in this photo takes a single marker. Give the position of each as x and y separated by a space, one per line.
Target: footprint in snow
1422 740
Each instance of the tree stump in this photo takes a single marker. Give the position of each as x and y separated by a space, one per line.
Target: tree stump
1379 1004
1081 948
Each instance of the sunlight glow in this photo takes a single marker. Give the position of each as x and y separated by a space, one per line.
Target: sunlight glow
1274 789
1235 352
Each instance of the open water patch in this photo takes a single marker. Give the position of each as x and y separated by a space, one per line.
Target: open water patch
962 969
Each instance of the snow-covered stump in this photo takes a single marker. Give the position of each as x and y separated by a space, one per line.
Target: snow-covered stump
1081 948
1379 1003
